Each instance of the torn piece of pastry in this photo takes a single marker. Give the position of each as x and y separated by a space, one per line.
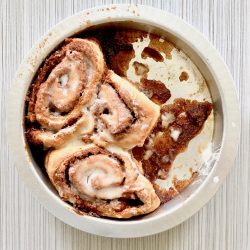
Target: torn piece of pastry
180 122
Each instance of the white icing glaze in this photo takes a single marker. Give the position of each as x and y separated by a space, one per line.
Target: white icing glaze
64 80
143 126
165 158
147 154
74 85
98 176
175 133
166 119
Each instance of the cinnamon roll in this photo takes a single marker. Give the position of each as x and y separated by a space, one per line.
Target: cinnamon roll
102 182
64 85
124 115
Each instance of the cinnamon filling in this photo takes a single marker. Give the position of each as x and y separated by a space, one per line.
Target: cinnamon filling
152 53
113 112
155 90
124 116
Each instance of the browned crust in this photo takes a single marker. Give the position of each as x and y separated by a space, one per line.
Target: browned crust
41 77
190 124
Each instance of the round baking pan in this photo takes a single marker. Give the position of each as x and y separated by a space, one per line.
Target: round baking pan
226 119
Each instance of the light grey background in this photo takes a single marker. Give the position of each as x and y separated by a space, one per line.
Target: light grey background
224 223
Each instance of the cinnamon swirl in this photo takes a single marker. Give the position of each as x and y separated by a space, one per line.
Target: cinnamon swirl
101 182
64 85
125 116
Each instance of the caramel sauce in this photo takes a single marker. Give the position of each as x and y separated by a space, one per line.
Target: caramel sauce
123 56
183 76
152 53
140 68
189 119
160 93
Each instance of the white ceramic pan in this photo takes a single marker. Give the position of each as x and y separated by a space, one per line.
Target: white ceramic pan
226 120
